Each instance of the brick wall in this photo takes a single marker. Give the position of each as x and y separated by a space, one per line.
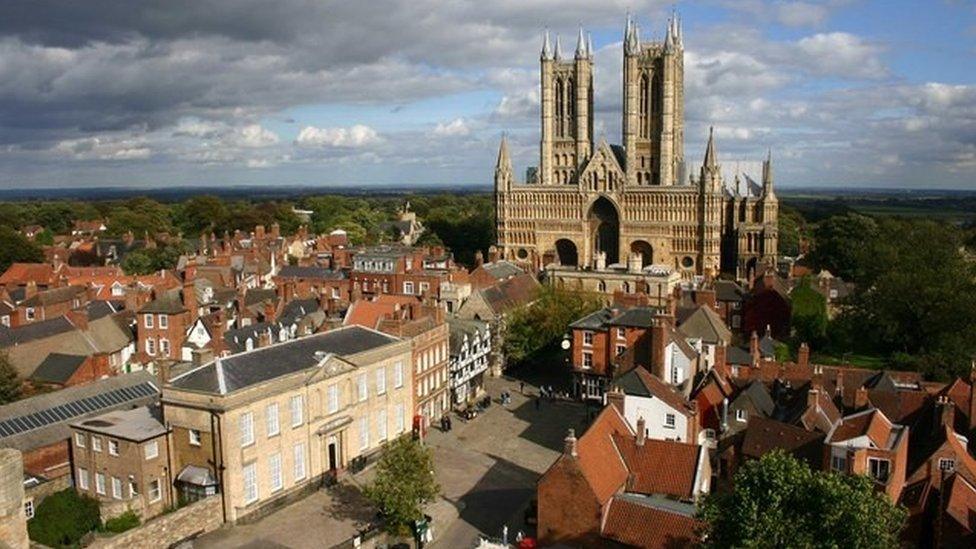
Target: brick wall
190 521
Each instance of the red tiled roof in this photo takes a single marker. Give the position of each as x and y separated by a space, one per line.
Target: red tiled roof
368 313
764 435
872 423
599 459
649 527
22 273
662 390
660 466
965 463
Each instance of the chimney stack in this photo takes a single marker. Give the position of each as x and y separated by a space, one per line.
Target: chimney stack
492 254
479 259
30 290
754 348
861 398
803 355
264 338
641 431
615 397
659 343
190 300
569 444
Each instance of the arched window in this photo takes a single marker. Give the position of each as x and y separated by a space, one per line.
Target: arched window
570 108
656 96
559 107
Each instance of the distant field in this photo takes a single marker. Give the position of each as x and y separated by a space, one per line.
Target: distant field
950 207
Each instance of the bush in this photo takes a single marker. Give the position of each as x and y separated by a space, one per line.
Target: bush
126 521
63 518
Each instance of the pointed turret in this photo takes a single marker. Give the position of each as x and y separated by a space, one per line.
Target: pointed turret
631 38
546 48
767 175
503 168
559 49
669 36
710 158
504 160
589 46
711 175
679 40
581 45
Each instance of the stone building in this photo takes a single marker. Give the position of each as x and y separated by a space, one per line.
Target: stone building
267 426
590 200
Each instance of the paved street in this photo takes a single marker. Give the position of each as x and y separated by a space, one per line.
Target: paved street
487 469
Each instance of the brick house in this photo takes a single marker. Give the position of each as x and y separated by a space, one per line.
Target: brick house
397 269
162 325
47 304
612 484
666 413
867 443
121 458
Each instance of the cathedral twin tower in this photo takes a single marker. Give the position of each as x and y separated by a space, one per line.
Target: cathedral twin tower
595 206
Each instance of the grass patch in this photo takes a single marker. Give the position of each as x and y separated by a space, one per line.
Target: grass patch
126 521
871 362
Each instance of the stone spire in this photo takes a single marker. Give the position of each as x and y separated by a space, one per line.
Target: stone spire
581 45
767 174
679 40
631 37
559 49
710 159
589 45
669 36
504 160
546 48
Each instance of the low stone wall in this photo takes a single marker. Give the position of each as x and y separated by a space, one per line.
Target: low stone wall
46 488
187 522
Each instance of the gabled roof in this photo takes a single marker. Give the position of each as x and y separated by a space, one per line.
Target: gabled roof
511 293
460 328
137 424
870 423
167 304
226 375
56 295
639 382
599 460
502 269
648 475
34 331
757 393
705 324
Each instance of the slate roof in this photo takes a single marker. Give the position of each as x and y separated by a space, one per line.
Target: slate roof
44 419
226 375
300 271
58 368
636 317
639 382
756 393
167 304
726 290
34 331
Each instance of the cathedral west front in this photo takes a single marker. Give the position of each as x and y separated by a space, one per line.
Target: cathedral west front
596 206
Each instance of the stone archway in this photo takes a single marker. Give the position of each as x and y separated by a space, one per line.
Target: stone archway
604 222
645 250
566 252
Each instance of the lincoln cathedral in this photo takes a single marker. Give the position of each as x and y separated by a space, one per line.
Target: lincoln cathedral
596 206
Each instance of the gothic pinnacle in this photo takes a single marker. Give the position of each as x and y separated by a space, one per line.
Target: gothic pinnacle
559 49
710 160
546 48
589 45
580 45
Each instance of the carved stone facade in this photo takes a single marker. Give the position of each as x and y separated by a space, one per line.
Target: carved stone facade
589 205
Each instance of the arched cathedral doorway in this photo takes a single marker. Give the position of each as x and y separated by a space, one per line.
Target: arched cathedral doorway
605 229
566 252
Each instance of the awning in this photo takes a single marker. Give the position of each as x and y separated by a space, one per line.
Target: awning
333 424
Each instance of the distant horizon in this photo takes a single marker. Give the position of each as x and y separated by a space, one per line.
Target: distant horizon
270 191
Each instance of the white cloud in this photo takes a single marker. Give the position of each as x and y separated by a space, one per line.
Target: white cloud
454 128
254 136
839 54
352 137
103 148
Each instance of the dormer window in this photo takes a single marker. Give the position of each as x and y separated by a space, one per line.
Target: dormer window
879 469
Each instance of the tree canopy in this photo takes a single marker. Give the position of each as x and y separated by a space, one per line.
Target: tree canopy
404 483
16 248
531 329
778 501
10 382
808 314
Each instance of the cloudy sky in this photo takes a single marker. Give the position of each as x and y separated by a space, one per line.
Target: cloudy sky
412 92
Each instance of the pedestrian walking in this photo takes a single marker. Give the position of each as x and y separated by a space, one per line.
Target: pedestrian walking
521 387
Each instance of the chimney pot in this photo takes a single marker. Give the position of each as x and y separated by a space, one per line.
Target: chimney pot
641 431
570 448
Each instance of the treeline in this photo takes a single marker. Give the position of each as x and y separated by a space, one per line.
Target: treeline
914 301
464 223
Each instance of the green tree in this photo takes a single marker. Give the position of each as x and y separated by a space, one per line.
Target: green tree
777 501
839 244
63 518
137 263
809 314
203 213
15 248
542 324
791 228
10 382
44 238
404 483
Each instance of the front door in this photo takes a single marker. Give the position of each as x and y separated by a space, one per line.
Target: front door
333 455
